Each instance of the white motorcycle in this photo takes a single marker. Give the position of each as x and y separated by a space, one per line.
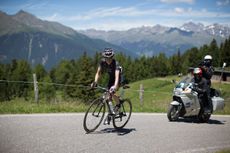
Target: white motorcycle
186 102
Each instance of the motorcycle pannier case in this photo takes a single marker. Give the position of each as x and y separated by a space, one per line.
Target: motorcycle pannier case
218 103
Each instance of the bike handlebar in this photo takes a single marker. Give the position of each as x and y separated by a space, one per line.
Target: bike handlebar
100 87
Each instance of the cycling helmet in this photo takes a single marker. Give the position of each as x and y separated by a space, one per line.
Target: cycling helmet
108 53
208 60
197 72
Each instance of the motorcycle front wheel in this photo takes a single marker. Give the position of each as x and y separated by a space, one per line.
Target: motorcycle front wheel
173 113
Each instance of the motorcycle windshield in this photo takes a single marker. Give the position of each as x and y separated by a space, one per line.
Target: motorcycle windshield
185 82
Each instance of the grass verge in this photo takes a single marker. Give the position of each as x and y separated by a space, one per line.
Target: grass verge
156 98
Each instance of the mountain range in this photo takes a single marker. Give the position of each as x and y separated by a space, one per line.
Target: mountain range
24 36
150 41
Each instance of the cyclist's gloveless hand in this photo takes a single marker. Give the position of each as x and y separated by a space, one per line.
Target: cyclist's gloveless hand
94 84
112 89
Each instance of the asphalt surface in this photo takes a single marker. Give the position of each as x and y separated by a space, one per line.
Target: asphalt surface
145 133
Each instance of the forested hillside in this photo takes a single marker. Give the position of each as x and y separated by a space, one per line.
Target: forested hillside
80 72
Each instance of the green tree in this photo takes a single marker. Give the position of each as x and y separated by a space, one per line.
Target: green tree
4 86
225 52
63 71
176 63
21 72
128 69
40 72
47 89
161 66
82 78
214 52
192 57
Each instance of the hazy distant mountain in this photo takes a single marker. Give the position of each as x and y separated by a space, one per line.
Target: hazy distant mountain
190 26
212 30
25 22
152 40
24 36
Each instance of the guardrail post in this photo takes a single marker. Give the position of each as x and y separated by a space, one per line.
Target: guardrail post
35 88
221 76
141 93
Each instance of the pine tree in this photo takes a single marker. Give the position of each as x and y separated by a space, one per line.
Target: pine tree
225 53
176 63
214 52
22 72
62 72
3 85
40 72
82 78
47 90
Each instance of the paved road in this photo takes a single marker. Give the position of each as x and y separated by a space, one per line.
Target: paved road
145 133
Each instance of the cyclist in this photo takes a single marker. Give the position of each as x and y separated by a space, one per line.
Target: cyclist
111 66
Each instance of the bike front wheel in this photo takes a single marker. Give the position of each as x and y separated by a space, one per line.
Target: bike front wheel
94 115
123 115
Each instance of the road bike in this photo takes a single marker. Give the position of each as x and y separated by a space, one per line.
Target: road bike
96 111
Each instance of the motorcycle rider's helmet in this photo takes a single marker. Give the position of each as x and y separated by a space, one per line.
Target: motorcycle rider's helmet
208 60
108 53
197 72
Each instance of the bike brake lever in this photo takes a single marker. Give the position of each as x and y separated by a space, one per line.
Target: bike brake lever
126 87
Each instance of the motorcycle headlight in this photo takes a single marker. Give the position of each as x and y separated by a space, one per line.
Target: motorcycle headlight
176 92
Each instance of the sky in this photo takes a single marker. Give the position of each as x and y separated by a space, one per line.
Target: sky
123 14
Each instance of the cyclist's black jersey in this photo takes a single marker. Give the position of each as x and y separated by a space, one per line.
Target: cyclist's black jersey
110 69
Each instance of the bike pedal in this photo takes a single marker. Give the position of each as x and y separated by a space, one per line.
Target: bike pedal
106 123
107 120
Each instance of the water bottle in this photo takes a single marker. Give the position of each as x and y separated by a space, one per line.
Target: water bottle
111 107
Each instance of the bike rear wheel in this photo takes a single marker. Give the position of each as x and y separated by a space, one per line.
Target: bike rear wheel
94 115
123 115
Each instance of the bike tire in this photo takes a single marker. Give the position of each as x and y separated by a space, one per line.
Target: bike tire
94 115
125 112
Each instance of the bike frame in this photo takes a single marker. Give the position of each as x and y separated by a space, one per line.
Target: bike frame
107 96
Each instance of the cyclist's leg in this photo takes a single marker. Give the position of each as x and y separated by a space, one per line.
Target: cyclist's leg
117 101
114 96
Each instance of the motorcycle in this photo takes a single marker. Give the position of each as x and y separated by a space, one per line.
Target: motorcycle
187 104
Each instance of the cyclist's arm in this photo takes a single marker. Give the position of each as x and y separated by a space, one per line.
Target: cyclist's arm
98 74
117 73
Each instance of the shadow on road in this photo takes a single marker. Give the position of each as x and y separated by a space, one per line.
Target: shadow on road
211 121
119 132
195 120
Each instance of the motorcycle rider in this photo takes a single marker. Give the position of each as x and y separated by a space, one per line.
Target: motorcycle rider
111 66
207 68
201 87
